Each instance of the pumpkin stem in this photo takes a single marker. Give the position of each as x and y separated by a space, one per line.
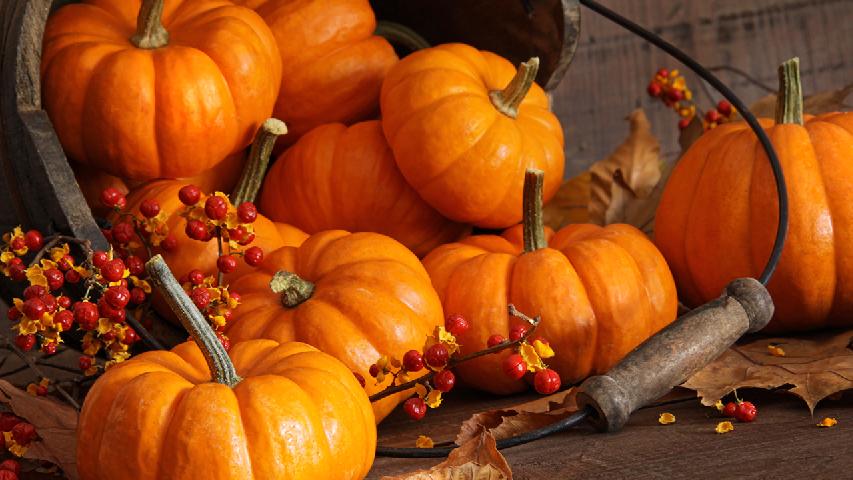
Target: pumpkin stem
401 35
789 100
293 288
221 369
259 158
532 224
508 100
150 32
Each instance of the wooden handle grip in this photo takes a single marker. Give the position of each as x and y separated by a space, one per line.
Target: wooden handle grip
675 353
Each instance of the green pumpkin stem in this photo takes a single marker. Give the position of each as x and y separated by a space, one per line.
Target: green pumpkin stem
259 158
221 369
293 288
789 100
150 32
532 224
509 99
401 35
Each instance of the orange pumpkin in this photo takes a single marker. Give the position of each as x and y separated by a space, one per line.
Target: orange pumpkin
718 214
173 99
600 292
464 126
354 296
345 178
333 64
269 411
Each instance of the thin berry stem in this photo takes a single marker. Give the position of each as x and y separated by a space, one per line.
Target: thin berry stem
38 371
220 277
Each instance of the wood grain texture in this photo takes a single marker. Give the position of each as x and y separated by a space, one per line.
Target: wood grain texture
611 68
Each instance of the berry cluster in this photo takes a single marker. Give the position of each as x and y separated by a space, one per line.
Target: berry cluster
740 410
131 232
671 87
216 302
15 436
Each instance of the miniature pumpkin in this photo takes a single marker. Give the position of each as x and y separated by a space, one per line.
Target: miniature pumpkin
269 411
173 99
354 296
600 292
718 214
333 64
464 126
345 178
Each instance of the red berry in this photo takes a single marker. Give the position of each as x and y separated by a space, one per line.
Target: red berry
41 390
65 263
169 243
13 314
197 230
17 270
189 194
55 278
663 72
48 348
123 233
149 208
374 370
10 465
50 303
25 342
18 243
456 324
8 421
135 265
746 412
437 355
72 277
413 361
99 258
674 95
684 123
34 308
200 297
137 296
24 433
514 366
235 296
247 212
712 116
196 277
117 297
130 337
113 270
225 341
63 301
227 314
237 233
108 336
444 381
34 240
517 332
34 291
215 207
117 315
247 239
86 315
724 107
226 263
415 407
654 89
546 381
360 379
85 363
64 319
253 256
113 198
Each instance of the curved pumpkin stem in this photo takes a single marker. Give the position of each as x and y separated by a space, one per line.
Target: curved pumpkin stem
150 32
400 34
789 100
221 369
259 158
293 288
532 223
509 99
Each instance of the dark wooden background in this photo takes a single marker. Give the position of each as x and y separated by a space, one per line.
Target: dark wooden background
611 68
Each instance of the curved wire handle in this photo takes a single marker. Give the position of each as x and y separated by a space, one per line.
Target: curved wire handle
769 268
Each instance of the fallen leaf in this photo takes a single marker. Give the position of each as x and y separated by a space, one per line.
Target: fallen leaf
476 459
814 367
506 423
570 204
822 102
55 424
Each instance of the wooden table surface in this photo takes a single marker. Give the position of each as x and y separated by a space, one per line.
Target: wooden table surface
783 442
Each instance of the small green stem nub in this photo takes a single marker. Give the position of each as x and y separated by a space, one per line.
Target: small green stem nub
532 223
789 100
259 158
509 99
150 32
401 35
221 369
293 289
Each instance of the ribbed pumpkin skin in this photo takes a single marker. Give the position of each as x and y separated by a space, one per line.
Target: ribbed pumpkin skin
718 215
297 414
333 64
463 156
169 112
600 292
346 178
372 297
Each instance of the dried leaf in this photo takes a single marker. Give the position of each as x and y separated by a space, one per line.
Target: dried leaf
822 102
815 367
55 424
521 418
476 459
690 134
570 204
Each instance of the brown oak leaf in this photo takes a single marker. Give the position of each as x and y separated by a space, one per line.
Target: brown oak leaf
55 424
476 459
570 204
821 102
814 366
